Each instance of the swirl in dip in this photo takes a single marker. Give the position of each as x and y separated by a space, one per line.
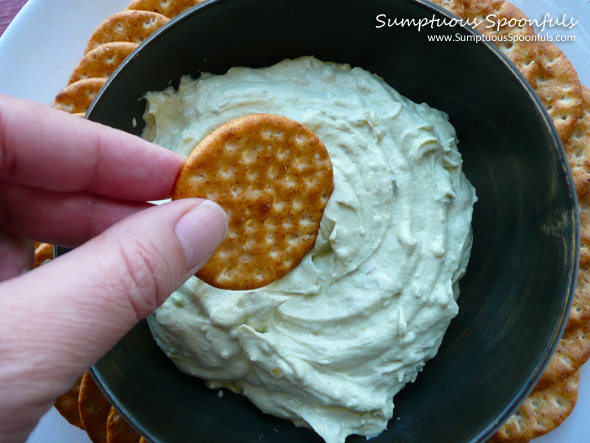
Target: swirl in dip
331 343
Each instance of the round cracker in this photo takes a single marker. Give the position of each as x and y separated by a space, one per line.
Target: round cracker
126 26
558 87
572 352
94 409
541 412
167 8
77 97
67 405
577 146
102 61
118 430
273 177
520 52
580 310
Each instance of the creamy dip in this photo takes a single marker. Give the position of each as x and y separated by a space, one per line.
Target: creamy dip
331 343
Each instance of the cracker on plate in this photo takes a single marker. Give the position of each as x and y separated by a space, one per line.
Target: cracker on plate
167 8
521 53
542 411
558 87
102 61
67 405
118 430
77 97
273 177
572 352
580 311
126 26
94 409
577 146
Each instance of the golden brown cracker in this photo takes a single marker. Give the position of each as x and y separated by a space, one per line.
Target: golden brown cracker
94 409
454 6
125 26
512 39
558 87
577 147
508 33
580 310
572 352
77 97
273 177
118 430
542 411
102 61
67 405
168 8
43 252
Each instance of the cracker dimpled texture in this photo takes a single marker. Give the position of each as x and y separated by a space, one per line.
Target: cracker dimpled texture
273 177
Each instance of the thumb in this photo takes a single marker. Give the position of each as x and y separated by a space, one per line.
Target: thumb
62 317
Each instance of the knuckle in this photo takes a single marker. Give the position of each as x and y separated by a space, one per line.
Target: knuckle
142 267
7 157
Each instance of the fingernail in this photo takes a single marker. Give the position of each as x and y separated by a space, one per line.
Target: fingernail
200 231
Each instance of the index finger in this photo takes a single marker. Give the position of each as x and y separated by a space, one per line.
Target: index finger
53 150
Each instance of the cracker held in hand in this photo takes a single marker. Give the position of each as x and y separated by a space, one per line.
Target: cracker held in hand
273 177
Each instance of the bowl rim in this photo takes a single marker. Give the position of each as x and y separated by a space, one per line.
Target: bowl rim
556 146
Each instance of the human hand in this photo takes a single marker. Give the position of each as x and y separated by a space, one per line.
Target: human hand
67 181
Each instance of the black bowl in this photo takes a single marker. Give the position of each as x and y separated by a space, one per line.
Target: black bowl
516 294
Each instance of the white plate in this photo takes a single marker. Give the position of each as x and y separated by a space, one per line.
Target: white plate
42 45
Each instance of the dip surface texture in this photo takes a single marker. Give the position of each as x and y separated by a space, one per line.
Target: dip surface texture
331 343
